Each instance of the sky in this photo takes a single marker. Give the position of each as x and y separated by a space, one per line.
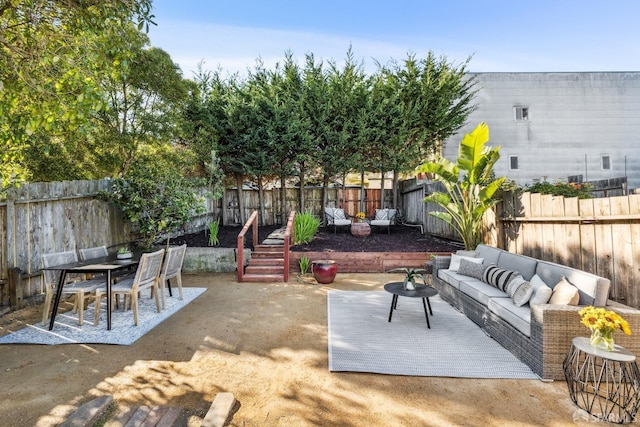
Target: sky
496 35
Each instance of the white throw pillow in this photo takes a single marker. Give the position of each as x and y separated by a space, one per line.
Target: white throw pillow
564 293
541 292
454 265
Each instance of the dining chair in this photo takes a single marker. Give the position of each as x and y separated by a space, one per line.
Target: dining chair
74 284
147 277
94 252
172 269
100 252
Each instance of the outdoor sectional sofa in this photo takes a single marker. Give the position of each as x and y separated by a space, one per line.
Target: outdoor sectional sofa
538 334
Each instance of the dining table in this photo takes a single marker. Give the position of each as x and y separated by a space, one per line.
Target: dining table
103 265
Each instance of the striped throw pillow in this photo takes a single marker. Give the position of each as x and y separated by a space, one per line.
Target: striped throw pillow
498 277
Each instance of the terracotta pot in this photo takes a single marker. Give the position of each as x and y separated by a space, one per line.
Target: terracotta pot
324 270
360 229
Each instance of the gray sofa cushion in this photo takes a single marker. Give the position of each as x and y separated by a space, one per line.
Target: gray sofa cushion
451 277
480 291
522 264
594 290
489 254
518 317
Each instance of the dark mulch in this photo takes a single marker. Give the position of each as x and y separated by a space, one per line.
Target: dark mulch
401 239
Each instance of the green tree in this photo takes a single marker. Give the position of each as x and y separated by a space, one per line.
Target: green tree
434 99
48 51
466 200
156 198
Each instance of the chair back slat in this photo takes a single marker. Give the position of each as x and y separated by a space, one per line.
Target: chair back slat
51 277
149 268
95 252
173 261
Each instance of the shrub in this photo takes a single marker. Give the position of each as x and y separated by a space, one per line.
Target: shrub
213 232
304 264
561 188
305 226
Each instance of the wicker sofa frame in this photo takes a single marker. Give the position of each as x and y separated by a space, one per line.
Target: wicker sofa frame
552 327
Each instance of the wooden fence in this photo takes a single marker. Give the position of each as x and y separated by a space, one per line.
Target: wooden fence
416 211
48 217
601 236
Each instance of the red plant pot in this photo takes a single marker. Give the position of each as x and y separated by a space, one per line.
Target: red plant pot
324 271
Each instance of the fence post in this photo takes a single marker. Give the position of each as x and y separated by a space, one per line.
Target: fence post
15 288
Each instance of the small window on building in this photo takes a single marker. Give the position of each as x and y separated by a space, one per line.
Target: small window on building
521 113
606 163
513 163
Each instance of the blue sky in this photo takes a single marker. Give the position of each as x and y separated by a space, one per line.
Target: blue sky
512 36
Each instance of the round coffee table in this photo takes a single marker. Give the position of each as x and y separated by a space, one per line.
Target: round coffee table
421 291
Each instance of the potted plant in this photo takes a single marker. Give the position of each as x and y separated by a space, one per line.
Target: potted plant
124 253
410 276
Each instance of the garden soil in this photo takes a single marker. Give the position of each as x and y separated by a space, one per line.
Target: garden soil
266 344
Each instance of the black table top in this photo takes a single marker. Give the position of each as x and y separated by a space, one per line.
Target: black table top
421 291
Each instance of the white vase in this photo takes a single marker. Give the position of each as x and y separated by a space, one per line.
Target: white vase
410 286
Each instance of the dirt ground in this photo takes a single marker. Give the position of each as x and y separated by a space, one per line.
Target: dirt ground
266 344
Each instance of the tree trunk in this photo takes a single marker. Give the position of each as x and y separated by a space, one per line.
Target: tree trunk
261 200
362 193
239 184
395 189
302 195
382 206
283 201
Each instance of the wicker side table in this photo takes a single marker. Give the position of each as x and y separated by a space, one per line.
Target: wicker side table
606 384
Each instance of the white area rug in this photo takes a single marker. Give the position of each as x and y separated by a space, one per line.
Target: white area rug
362 340
123 331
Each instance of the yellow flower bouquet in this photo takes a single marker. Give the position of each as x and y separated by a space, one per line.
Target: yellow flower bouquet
603 323
360 216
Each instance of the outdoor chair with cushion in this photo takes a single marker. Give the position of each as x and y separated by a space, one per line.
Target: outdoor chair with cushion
336 217
74 284
172 269
147 277
384 218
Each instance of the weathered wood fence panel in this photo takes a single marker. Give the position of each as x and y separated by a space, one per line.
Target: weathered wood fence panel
416 211
601 236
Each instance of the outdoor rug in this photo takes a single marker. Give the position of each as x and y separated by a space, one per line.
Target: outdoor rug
123 331
362 340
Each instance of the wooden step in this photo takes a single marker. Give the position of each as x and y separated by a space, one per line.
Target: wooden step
264 269
263 278
266 254
266 261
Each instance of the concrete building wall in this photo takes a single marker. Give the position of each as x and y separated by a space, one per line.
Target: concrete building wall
574 120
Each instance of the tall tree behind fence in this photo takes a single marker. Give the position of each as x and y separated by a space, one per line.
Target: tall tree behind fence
601 236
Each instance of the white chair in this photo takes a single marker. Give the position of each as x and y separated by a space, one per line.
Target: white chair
172 269
336 217
147 277
74 284
384 218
